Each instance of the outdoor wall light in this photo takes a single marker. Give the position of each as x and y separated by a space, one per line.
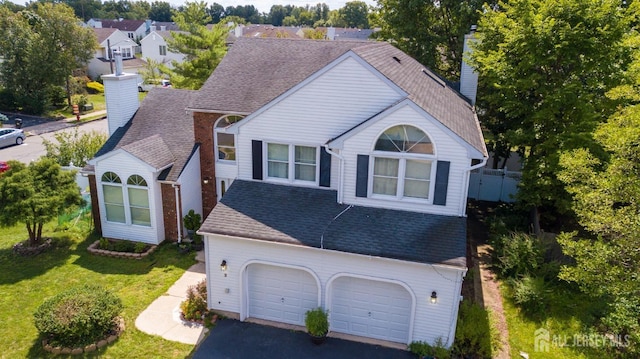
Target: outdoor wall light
206 180
434 297
223 265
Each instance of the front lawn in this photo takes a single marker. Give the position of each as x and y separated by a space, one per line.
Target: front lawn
26 282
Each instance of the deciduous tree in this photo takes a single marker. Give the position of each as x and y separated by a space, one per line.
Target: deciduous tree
546 65
74 147
40 47
35 194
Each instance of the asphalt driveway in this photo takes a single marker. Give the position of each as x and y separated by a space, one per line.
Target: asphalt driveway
234 339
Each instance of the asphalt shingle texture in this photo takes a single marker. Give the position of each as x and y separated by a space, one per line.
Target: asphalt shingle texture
311 217
160 132
257 70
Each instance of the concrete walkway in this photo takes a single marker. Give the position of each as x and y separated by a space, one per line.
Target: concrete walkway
162 317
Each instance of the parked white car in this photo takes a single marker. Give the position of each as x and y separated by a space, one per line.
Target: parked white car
149 84
11 136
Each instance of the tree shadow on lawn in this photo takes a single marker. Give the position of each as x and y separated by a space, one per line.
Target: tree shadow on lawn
15 268
165 256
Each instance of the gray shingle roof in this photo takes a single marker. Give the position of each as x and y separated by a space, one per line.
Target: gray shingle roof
103 34
124 25
307 217
256 71
160 131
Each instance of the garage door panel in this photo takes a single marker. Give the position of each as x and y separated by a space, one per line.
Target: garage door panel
370 308
280 294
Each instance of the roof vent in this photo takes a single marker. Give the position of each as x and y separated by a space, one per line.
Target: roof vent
434 77
397 59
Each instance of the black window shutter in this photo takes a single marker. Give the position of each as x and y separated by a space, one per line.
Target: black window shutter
256 157
362 176
442 183
325 168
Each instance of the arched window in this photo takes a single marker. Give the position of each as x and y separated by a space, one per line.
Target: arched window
225 142
402 163
113 200
138 200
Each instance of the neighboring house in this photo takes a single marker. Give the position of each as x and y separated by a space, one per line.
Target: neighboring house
154 46
101 62
331 173
164 26
133 29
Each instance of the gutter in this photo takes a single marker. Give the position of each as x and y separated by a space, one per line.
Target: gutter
341 180
463 200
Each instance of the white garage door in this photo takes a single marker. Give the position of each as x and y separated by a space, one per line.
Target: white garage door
370 308
280 294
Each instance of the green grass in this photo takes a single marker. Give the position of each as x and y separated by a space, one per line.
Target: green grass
26 282
568 313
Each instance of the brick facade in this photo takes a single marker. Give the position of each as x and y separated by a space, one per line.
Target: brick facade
95 209
169 212
203 130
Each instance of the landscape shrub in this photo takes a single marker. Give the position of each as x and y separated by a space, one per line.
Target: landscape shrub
475 336
95 87
423 349
530 294
140 247
196 304
57 95
78 85
78 316
517 254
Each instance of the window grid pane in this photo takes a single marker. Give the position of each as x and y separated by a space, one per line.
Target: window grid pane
385 176
226 147
278 160
305 163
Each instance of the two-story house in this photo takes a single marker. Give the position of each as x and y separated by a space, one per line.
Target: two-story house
330 173
110 40
154 46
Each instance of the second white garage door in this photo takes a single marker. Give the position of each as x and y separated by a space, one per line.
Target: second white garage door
370 308
280 294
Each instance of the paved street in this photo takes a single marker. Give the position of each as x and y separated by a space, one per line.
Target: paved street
33 148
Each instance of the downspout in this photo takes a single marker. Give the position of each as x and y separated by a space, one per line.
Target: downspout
176 187
341 179
463 200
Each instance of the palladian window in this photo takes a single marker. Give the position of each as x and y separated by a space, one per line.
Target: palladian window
113 200
225 142
138 201
402 163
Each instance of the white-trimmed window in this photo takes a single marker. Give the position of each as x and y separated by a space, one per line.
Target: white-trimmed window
138 192
126 53
113 200
225 143
402 164
292 162
163 50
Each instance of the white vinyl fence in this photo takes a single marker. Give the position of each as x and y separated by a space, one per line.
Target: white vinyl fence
493 185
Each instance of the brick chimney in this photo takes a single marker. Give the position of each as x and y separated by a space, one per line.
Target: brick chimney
121 95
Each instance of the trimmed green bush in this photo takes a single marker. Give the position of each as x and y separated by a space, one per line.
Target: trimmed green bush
425 350
78 316
317 322
196 304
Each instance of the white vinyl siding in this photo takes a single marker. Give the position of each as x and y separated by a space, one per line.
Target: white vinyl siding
445 147
125 165
190 186
324 108
429 321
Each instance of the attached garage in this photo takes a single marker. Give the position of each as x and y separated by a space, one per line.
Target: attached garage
280 294
370 308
